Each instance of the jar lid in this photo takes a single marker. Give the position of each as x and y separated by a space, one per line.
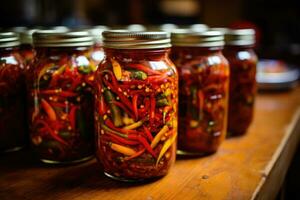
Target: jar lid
57 38
192 38
239 37
9 39
122 39
26 36
96 32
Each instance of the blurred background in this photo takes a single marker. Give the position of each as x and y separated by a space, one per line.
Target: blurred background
276 22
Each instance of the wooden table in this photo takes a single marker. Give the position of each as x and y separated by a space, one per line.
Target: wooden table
249 167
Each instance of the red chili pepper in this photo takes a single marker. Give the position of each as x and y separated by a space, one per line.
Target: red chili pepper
152 108
148 133
122 97
147 146
72 117
51 132
142 68
48 109
102 107
158 78
134 103
121 140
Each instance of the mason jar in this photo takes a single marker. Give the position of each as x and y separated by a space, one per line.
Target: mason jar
203 90
61 97
242 60
13 134
136 106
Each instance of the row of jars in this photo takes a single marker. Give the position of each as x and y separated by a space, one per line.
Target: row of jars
136 101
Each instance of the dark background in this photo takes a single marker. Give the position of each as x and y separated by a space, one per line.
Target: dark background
277 23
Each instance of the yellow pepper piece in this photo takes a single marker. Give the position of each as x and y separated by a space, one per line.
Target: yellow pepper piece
134 125
166 146
116 69
122 149
158 136
127 120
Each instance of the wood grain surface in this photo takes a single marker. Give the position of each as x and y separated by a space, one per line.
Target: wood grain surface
252 166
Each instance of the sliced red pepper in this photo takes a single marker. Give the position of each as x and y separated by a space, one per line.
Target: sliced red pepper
122 97
51 132
48 109
152 108
121 140
147 146
135 109
148 133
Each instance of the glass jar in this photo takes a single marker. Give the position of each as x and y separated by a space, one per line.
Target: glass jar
61 102
136 106
98 52
242 60
203 90
12 108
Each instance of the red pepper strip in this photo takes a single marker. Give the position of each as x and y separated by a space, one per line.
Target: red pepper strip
51 132
72 117
148 133
158 78
48 109
121 140
123 107
122 97
58 93
102 107
142 68
134 103
135 155
147 146
152 108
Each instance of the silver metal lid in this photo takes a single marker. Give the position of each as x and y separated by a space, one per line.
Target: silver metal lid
122 39
26 36
96 32
198 27
240 37
9 39
57 38
190 38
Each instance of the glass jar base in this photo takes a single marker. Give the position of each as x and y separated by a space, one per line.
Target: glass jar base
13 149
55 162
128 180
192 154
